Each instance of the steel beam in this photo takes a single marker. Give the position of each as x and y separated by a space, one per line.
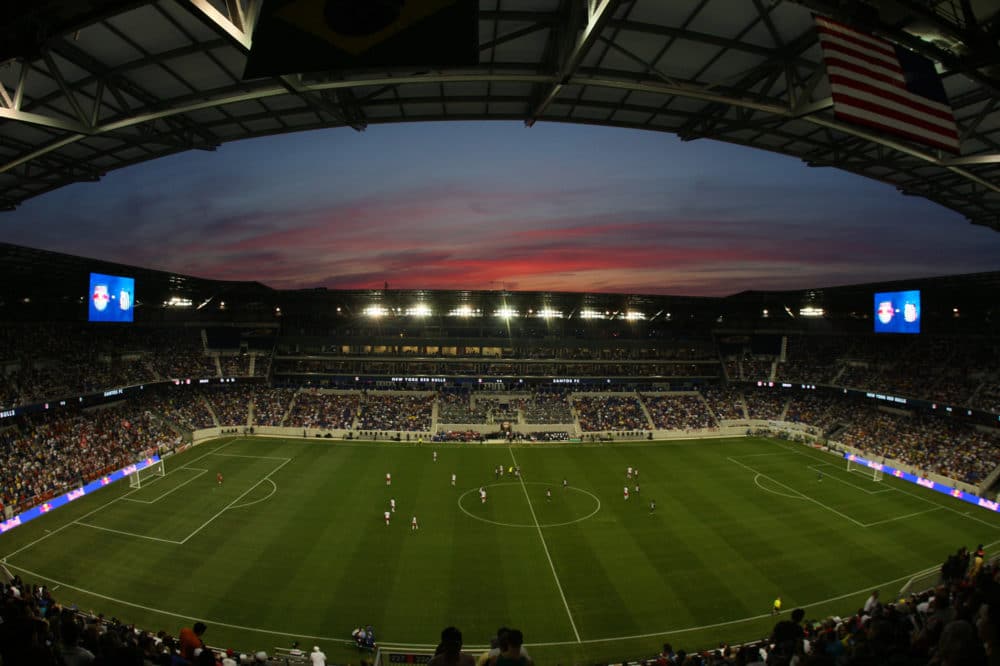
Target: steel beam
598 13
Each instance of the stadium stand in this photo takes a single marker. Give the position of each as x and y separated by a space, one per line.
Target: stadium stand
610 413
678 412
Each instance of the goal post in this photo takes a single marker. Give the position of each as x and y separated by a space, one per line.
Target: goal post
874 471
146 475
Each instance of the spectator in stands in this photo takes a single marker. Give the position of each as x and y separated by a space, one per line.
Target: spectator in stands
317 657
509 650
190 639
871 603
449 650
788 635
73 653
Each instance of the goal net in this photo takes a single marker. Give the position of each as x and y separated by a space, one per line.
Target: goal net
146 475
875 473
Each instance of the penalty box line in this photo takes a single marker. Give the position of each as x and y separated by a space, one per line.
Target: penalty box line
106 504
830 508
266 477
175 488
913 495
799 493
837 478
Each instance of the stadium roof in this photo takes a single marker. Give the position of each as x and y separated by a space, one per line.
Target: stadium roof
89 87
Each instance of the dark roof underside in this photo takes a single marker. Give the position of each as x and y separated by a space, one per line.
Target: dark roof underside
98 85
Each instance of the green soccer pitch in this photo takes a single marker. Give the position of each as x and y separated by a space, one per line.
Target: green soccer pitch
293 545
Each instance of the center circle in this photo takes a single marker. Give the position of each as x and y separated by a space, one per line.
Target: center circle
557 490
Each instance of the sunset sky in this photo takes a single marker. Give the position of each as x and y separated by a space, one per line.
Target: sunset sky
491 205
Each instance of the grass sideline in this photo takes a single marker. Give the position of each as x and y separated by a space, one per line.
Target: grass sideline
292 546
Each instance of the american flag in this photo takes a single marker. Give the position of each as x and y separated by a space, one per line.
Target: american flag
876 83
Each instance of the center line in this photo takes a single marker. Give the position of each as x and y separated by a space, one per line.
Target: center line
545 546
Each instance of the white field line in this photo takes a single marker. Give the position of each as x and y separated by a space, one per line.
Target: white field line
756 480
131 534
178 487
909 515
922 499
177 615
804 496
274 489
240 455
865 590
847 483
108 503
545 546
228 506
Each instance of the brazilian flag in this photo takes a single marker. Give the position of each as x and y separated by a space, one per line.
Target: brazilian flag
296 36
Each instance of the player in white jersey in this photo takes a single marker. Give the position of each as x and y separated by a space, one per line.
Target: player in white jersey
482 495
452 478
387 515
626 492
413 523
435 456
628 473
392 505
388 479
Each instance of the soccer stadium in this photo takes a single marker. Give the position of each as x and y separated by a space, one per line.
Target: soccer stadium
218 471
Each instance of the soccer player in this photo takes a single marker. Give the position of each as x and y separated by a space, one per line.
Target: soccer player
776 608
218 478
626 493
392 504
388 479
637 489
435 456
413 524
482 495
628 473
453 479
517 472
819 475
498 472
652 506
565 484
387 516
548 494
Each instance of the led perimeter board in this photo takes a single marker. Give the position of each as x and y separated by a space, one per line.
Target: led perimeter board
112 298
897 312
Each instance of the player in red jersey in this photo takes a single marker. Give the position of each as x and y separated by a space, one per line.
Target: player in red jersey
218 478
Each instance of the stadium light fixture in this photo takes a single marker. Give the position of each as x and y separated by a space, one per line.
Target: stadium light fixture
633 315
549 313
506 312
464 311
590 314
177 302
810 311
375 311
419 310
